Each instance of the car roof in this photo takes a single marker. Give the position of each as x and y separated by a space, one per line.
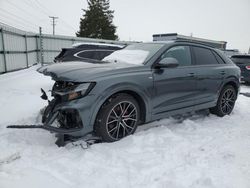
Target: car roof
183 42
98 44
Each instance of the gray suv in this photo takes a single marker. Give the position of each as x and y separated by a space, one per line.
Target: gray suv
141 83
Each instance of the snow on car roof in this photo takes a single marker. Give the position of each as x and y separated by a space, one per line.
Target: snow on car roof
99 44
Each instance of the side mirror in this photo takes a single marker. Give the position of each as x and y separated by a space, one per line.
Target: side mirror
168 62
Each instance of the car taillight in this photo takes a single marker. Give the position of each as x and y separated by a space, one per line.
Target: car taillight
248 67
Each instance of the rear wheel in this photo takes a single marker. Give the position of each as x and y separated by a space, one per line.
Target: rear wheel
226 101
117 118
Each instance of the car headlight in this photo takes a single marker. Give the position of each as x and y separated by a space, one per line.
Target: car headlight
76 91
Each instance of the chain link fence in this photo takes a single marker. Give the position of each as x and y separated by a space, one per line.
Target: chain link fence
20 49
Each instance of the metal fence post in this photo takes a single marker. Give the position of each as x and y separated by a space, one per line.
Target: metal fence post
4 52
26 50
41 45
37 49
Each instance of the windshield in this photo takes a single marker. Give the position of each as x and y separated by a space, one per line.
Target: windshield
134 54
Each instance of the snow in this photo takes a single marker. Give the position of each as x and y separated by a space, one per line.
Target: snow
199 151
136 57
98 44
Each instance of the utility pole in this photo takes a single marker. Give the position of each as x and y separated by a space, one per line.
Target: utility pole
53 23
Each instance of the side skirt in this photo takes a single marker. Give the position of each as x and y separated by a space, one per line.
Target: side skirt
183 110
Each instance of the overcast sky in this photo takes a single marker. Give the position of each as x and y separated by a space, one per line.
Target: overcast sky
227 20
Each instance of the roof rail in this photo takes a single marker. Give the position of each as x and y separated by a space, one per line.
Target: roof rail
196 42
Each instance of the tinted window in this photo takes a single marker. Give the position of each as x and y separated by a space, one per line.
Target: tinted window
219 58
180 53
86 54
204 56
93 54
103 54
240 59
100 54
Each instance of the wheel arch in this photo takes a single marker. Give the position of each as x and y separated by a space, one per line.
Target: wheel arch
142 100
233 82
138 98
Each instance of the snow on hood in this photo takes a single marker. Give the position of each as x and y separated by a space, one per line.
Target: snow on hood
127 56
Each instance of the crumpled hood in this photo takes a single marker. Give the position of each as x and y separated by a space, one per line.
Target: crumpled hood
81 71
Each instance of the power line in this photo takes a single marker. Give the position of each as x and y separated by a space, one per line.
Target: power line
23 10
38 19
43 7
37 5
21 27
17 19
8 25
49 12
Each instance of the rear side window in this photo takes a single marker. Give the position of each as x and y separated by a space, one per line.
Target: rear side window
180 53
219 59
93 54
86 54
204 56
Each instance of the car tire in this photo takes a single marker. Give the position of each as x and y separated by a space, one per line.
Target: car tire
117 118
226 101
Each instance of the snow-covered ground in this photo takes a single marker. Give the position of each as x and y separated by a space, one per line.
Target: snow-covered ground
201 151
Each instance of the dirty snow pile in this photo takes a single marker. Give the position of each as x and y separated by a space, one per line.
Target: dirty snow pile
200 151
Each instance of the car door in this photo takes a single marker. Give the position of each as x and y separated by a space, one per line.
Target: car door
210 71
174 88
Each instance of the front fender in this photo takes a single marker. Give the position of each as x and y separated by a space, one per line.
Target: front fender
122 87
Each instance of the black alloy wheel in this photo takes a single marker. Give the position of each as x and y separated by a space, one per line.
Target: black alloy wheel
225 102
118 118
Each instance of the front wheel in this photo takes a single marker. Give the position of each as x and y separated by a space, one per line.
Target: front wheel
117 118
226 101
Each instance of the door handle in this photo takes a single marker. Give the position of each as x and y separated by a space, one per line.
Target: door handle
191 74
222 72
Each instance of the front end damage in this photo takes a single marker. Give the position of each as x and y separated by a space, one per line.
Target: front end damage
63 119
62 114
70 113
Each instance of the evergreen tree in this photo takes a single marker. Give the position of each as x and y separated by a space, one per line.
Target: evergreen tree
97 21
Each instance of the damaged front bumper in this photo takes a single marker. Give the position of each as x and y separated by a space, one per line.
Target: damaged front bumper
57 129
69 120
